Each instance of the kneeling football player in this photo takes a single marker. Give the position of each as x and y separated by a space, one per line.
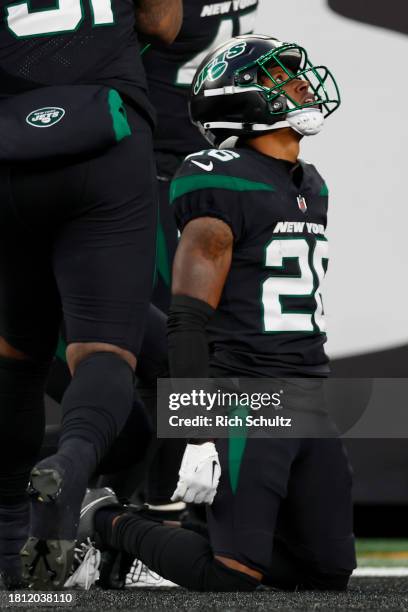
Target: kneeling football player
246 279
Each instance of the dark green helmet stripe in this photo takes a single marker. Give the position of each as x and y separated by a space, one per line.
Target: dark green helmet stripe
186 184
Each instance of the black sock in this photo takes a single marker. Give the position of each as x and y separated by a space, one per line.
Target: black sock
98 401
59 520
177 554
95 408
103 522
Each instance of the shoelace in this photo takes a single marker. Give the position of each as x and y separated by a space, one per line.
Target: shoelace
87 572
140 570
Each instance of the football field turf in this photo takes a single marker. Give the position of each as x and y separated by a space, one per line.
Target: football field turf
364 594
390 554
386 591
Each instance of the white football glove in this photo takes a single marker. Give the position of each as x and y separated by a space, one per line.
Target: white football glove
199 474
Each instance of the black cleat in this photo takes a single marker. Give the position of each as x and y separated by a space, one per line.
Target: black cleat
14 523
46 563
94 500
114 568
57 487
89 562
45 485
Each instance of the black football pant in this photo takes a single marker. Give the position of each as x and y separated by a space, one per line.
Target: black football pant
283 507
152 467
126 464
289 516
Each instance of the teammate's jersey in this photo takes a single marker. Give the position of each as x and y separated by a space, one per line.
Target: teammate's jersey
43 42
270 319
170 70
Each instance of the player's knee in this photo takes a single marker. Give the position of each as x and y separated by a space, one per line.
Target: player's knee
79 351
8 351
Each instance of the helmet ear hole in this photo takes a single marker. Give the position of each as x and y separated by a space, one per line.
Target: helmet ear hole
277 106
244 79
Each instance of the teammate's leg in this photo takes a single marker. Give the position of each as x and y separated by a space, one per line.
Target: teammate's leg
129 480
125 465
103 261
152 364
22 383
29 320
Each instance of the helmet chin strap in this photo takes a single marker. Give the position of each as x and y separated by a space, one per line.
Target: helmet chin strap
306 121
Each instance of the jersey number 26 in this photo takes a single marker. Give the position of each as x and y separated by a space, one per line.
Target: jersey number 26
312 261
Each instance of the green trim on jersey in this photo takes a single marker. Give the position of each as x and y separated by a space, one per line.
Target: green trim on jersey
145 48
61 349
236 446
117 110
186 184
162 257
324 190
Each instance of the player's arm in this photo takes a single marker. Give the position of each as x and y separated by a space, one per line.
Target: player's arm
201 266
159 19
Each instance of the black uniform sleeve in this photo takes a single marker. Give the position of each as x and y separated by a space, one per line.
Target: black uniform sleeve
206 187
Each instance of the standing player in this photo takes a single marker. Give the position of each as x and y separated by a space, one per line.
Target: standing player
247 276
78 242
170 71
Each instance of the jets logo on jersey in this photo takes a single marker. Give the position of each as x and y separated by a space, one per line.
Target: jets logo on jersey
302 203
218 65
45 117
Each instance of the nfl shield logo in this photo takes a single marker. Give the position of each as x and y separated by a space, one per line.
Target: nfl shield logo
302 203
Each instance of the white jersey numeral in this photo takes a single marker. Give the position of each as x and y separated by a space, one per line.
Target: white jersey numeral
67 17
302 285
320 254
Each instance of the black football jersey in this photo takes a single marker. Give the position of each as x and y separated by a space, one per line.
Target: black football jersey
170 70
270 320
43 42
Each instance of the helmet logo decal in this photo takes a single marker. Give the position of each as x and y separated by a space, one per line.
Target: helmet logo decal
218 65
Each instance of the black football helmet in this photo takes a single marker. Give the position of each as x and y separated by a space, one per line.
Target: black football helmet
229 97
